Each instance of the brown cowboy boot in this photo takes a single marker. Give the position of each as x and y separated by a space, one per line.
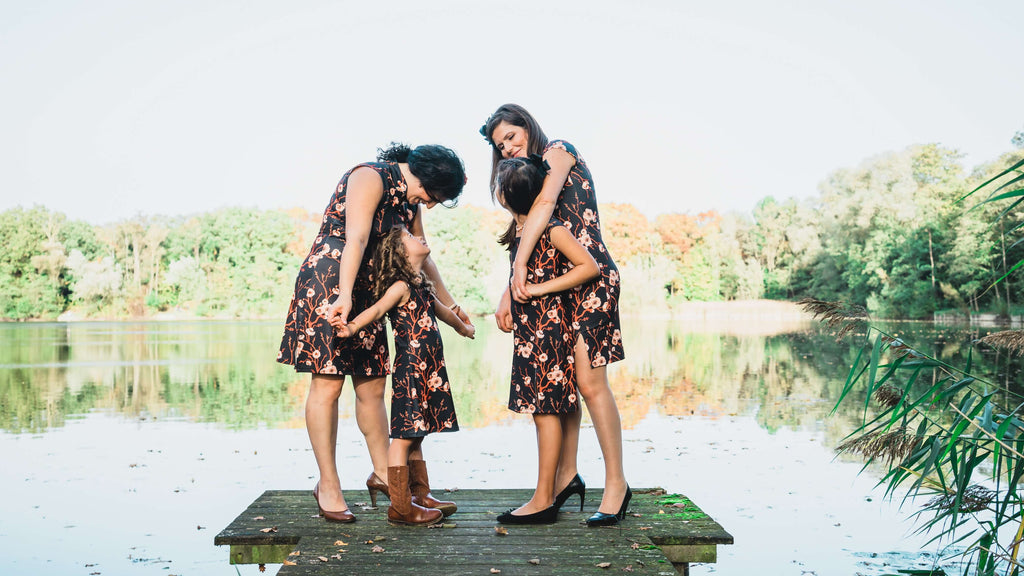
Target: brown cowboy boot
402 509
419 485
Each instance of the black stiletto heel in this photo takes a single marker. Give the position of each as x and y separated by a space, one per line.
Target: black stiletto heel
576 486
601 519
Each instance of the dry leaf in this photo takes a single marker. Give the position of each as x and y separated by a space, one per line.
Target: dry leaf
336 556
645 527
266 530
259 518
501 531
534 560
368 542
635 546
340 543
289 563
361 504
296 553
263 567
676 505
603 564
377 549
495 571
628 568
322 558
661 511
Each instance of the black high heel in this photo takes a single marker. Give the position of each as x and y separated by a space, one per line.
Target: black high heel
576 486
548 515
601 519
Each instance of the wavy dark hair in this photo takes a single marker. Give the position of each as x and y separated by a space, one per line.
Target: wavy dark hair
391 264
438 168
518 183
515 115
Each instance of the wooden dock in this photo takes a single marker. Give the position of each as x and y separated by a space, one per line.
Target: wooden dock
662 535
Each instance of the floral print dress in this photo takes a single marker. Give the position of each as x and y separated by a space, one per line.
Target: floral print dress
593 308
309 342
421 396
543 377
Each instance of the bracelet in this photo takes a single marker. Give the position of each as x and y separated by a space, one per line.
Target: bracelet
454 305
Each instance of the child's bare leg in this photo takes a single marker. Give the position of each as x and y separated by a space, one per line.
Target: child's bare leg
570 443
549 447
401 449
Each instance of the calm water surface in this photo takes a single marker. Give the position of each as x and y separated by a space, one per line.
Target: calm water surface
128 446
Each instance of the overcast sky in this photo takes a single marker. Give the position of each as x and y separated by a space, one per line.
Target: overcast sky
115 108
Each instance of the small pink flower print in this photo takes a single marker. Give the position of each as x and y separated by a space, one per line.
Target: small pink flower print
425 322
414 343
553 314
616 337
412 304
572 398
542 357
599 361
316 353
589 216
310 292
310 331
329 369
435 382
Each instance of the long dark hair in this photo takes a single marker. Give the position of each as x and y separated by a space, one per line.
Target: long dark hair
515 115
438 168
518 183
391 264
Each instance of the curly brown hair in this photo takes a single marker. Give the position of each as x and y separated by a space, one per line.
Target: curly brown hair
391 264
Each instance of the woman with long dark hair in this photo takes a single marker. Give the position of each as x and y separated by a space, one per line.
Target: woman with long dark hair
592 310
334 283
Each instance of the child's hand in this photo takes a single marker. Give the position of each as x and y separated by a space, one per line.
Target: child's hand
534 290
467 330
343 331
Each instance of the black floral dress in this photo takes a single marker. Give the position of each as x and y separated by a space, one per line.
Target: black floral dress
309 343
543 377
421 397
593 308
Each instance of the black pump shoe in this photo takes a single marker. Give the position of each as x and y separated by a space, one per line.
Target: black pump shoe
601 519
576 486
548 515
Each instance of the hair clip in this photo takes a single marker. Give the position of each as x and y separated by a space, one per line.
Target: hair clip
539 161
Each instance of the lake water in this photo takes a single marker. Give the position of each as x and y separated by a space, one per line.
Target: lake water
128 446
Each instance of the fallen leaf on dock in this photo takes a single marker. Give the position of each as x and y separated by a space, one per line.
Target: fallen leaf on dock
534 560
377 549
336 556
271 529
259 518
296 553
635 546
289 563
495 571
501 531
361 504
340 543
322 558
603 564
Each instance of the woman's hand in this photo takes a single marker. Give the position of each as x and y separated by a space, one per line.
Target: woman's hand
518 284
344 331
503 315
337 313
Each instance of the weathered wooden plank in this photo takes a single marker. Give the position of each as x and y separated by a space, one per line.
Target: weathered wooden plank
467 542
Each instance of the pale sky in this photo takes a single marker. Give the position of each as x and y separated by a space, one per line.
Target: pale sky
111 109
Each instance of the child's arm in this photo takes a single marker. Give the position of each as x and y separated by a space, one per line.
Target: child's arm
430 269
396 294
561 163
584 266
449 317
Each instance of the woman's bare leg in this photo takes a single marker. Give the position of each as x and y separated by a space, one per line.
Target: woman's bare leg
372 418
594 388
322 427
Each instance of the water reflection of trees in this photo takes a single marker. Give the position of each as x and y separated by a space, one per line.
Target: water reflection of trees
786 376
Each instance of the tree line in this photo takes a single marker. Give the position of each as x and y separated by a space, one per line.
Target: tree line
888 234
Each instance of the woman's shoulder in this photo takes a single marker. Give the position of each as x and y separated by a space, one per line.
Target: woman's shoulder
562 145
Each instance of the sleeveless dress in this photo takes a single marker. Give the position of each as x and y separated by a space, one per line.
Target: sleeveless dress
593 308
543 376
421 397
309 342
